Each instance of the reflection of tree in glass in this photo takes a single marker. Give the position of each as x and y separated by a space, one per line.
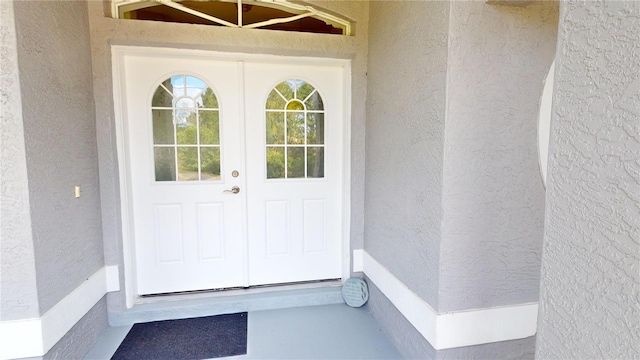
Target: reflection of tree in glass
209 99
210 159
188 160
295 128
303 90
315 162
275 162
315 128
286 88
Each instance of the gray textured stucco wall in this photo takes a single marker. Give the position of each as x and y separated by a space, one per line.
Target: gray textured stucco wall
405 131
60 141
590 291
520 349
493 197
18 291
454 200
83 335
409 342
106 31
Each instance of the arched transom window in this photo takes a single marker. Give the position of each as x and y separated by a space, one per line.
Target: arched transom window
248 14
294 131
186 130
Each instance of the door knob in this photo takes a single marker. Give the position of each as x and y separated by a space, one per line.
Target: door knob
234 190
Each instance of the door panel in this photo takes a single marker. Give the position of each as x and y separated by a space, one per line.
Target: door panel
188 232
295 226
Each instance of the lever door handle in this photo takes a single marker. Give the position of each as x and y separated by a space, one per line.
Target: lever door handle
234 190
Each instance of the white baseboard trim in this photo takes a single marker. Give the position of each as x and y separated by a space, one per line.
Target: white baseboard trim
358 256
454 329
35 337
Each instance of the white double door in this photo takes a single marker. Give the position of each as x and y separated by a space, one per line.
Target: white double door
195 128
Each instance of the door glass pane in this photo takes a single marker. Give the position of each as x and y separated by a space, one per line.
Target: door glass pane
194 86
162 126
303 90
275 101
210 163
275 162
163 96
295 128
295 105
177 82
187 163
314 102
275 127
165 163
297 123
209 127
187 103
286 89
295 162
186 126
208 99
315 162
315 128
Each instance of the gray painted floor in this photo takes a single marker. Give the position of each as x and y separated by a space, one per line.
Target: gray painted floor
312 332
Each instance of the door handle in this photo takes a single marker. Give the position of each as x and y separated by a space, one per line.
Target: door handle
234 190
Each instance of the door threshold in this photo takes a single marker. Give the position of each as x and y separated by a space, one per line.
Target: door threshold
255 289
181 305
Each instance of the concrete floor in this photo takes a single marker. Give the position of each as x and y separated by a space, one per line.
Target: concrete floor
334 331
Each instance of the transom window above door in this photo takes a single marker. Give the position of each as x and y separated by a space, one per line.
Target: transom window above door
294 131
186 130
248 14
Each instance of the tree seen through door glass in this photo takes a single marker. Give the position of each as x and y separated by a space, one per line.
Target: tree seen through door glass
295 119
186 130
295 162
295 128
275 127
275 162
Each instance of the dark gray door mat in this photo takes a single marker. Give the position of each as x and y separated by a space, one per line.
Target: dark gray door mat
186 339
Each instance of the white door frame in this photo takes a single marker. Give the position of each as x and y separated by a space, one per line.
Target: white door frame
118 52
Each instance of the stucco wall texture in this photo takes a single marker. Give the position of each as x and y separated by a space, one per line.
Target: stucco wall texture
18 291
493 196
454 198
106 31
590 286
453 186
60 142
405 133
82 336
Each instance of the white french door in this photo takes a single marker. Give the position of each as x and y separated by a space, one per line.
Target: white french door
294 216
234 170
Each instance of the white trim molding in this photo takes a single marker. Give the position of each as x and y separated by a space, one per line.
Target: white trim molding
452 329
35 337
358 256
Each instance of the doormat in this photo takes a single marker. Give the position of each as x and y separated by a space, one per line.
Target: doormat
186 339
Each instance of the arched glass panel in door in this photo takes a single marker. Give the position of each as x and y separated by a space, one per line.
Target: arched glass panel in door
294 131
186 130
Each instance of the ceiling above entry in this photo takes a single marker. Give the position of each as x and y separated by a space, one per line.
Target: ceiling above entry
248 14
